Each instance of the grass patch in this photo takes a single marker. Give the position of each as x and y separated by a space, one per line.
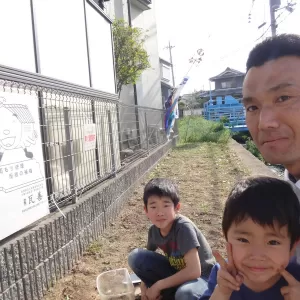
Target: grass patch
195 129
94 248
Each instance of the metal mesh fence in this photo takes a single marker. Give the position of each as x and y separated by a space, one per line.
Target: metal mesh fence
85 139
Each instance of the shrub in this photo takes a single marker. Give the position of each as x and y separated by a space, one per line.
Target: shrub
195 129
241 137
251 147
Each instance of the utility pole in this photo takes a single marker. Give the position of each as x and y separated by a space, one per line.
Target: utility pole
273 19
171 61
274 5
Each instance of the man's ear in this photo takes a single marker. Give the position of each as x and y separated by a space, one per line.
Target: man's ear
145 209
293 250
177 207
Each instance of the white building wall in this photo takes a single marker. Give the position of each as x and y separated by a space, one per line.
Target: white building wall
149 85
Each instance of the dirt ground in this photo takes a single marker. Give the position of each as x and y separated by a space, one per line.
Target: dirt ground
205 173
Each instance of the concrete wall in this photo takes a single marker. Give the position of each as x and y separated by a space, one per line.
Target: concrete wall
33 261
193 112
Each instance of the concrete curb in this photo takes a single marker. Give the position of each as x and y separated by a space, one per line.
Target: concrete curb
253 164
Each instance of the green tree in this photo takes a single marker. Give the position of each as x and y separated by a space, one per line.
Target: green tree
131 59
181 105
201 101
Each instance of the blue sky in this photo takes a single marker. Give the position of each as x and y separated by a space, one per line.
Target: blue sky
220 28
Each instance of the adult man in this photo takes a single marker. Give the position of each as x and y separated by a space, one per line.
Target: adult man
271 95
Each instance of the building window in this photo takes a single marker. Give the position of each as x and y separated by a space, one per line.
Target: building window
62 46
166 72
16 35
101 51
227 84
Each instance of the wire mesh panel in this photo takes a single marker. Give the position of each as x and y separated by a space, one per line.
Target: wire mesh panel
74 163
141 130
107 137
85 139
155 127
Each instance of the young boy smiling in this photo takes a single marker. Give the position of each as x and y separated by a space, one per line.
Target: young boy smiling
261 226
183 271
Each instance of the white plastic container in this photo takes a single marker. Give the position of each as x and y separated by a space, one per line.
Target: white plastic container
115 285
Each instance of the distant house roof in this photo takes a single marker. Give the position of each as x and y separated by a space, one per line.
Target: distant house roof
229 72
188 96
221 92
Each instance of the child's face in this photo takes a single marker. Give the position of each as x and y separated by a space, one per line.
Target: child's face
258 251
161 212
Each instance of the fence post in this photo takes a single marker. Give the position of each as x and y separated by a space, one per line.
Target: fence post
138 131
147 133
69 150
119 126
111 140
45 144
96 150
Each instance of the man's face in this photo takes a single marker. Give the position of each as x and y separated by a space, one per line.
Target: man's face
272 100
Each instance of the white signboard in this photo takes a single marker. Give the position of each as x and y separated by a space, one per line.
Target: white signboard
23 194
89 137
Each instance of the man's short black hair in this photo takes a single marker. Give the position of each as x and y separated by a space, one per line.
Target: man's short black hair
161 187
274 48
264 200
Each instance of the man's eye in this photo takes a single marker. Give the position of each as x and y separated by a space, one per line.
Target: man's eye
274 243
242 240
284 98
251 108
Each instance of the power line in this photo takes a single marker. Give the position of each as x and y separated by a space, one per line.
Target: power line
254 41
290 12
284 19
269 27
250 12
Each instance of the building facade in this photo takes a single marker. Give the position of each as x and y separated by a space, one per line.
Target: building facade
227 83
166 79
141 13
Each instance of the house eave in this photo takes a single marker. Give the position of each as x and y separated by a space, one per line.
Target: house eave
142 4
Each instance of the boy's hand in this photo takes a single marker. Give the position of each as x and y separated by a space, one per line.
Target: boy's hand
228 280
292 291
153 293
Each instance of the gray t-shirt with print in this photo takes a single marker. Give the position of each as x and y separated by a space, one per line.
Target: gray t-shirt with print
183 236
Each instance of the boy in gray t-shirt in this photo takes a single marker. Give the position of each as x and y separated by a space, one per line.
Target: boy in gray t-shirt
184 269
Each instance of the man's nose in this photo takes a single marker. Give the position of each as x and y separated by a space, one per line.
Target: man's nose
268 118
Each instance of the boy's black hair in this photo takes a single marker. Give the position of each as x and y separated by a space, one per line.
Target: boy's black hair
264 200
161 187
274 48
